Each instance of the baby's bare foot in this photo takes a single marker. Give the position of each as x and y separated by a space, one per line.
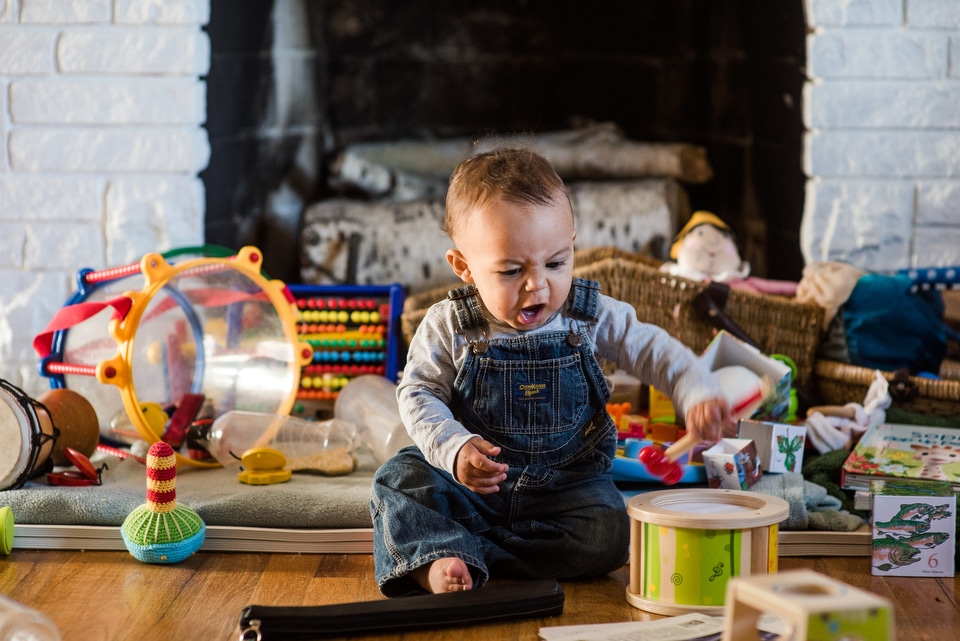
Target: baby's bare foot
444 575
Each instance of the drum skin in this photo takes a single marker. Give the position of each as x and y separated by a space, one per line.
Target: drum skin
26 434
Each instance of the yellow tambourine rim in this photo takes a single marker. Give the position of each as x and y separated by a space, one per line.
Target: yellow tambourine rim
157 273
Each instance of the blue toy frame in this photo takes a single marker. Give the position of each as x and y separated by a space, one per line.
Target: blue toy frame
394 293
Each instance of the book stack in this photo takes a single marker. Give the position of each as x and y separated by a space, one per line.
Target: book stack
908 476
893 451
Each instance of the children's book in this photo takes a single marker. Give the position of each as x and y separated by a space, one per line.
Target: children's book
914 527
903 451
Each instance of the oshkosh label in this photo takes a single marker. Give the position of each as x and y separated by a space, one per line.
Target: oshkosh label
531 391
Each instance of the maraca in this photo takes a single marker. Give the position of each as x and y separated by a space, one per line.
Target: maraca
662 463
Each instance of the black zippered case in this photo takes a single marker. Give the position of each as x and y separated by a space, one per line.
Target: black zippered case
491 604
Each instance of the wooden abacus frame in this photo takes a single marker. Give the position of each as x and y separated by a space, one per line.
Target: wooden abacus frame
347 316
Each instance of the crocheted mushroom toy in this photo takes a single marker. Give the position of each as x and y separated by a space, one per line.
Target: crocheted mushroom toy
160 531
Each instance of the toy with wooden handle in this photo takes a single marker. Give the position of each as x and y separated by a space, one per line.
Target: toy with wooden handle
840 411
662 463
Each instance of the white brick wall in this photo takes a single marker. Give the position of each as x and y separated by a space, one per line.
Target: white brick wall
102 108
882 151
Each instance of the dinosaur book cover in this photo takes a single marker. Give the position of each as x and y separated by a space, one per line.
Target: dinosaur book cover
904 451
914 528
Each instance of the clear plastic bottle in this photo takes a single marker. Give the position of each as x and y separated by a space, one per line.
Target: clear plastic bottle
370 403
20 623
235 432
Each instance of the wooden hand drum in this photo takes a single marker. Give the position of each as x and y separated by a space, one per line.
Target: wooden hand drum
28 436
686 544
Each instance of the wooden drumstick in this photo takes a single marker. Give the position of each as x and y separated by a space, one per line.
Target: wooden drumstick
680 447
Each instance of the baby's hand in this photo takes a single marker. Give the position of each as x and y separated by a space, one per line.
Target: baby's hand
476 470
710 421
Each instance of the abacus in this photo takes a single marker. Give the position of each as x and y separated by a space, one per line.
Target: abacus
352 329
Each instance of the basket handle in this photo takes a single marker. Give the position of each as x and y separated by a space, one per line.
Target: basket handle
711 303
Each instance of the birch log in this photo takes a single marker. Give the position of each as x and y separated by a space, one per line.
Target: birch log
351 241
408 167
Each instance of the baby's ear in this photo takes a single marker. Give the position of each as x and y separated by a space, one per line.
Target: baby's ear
459 265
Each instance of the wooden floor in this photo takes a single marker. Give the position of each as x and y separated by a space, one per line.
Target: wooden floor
110 596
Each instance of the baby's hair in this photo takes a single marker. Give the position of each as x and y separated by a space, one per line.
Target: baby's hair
512 174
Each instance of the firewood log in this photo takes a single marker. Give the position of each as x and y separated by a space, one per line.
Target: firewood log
594 152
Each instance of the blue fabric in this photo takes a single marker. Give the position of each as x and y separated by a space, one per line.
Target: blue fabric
542 399
887 326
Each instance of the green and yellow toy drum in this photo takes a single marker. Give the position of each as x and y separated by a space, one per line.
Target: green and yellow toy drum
685 545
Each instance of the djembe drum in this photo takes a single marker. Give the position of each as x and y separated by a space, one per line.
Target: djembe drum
28 435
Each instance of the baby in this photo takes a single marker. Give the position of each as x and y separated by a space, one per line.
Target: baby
504 396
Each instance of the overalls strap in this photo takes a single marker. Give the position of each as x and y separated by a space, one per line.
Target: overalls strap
469 311
585 299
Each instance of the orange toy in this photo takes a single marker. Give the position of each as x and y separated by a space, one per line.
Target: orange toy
617 412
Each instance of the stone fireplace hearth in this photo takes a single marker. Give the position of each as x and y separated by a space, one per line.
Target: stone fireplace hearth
724 75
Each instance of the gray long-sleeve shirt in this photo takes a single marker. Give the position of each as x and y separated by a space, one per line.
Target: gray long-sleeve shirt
437 352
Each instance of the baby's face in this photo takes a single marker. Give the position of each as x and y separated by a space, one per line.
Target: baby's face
520 257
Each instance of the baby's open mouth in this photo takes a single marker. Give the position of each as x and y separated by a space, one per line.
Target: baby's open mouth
530 314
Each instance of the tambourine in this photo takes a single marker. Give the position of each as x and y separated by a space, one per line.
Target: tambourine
214 326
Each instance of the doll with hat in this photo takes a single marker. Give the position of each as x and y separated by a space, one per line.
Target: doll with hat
705 250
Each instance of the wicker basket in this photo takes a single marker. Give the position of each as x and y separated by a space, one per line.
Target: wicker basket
778 324
841 383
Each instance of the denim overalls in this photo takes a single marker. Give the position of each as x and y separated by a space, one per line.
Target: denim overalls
542 398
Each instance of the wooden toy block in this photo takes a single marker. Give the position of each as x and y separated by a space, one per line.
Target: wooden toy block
727 351
814 607
779 445
732 464
625 388
914 528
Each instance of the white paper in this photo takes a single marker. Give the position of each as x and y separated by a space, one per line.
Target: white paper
679 628
686 627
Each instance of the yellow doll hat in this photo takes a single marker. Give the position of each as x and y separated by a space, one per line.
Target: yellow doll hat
698 218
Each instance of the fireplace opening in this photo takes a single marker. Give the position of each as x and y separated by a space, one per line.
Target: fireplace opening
294 81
